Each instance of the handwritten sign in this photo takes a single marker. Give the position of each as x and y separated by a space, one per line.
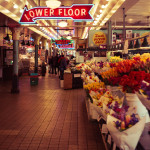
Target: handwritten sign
99 38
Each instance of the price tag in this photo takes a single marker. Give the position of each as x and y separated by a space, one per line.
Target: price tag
104 128
109 139
77 75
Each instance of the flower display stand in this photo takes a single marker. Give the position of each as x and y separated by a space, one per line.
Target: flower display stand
91 112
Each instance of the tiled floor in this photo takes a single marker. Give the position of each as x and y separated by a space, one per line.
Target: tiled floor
45 117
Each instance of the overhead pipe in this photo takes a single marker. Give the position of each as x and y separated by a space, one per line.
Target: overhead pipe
124 30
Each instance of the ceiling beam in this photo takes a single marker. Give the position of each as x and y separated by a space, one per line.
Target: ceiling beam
75 26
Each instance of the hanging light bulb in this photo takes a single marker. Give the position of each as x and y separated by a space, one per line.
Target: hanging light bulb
69 37
101 11
21 10
62 24
130 45
145 43
15 6
66 32
53 3
137 44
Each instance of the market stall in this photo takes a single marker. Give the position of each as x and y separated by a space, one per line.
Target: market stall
117 96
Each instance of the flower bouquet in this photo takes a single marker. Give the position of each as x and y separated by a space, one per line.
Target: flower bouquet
80 66
131 83
96 105
94 92
109 102
144 94
126 133
115 59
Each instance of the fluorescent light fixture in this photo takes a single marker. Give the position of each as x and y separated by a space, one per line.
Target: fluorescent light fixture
53 3
5 11
15 6
130 20
66 32
21 10
106 19
12 15
62 24
86 36
95 22
103 6
113 11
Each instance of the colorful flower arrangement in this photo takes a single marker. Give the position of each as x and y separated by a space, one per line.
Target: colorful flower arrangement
114 81
79 66
124 67
88 71
112 72
115 59
144 94
109 100
127 122
145 89
98 93
132 82
94 86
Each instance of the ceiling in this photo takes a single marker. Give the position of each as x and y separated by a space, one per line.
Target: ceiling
137 15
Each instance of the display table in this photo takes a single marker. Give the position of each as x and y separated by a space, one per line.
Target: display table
72 80
67 80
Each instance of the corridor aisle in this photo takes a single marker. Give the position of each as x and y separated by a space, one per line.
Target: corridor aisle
45 117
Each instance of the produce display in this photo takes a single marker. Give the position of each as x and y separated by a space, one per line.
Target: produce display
117 94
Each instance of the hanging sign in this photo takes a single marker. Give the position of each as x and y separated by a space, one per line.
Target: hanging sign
76 12
64 43
99 38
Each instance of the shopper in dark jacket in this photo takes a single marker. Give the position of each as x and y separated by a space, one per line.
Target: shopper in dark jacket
50 62
55 64
63 66
43 69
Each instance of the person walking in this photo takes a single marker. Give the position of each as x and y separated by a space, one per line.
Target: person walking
50 62
43 69
63 66
55 64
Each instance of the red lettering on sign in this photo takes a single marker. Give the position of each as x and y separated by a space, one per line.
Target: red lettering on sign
76 12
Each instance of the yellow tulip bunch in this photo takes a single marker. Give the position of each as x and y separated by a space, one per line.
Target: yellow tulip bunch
143 57
94 86
115 59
